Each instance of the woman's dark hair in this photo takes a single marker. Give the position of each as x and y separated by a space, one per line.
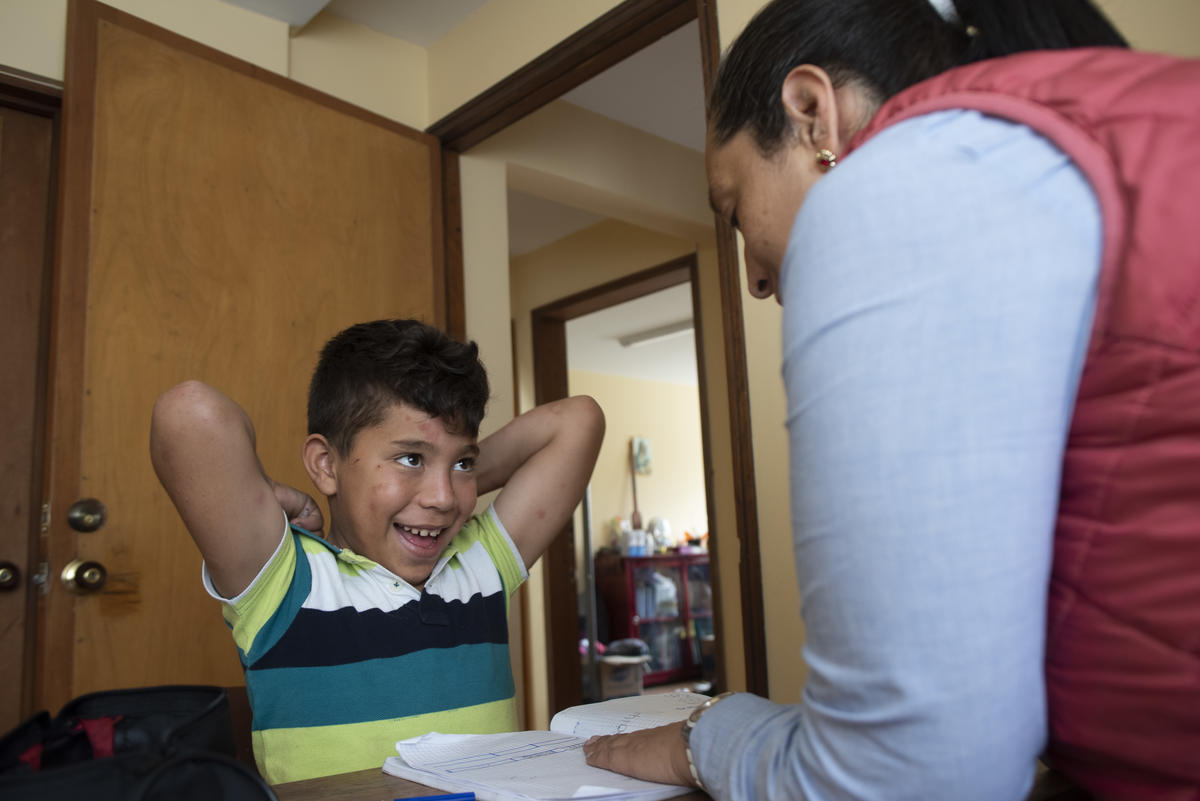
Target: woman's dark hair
369 367
884 45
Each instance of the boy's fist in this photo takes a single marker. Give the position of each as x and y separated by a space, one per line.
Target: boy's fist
299 507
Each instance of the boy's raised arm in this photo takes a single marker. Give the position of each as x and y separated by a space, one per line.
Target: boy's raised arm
543 459
202 447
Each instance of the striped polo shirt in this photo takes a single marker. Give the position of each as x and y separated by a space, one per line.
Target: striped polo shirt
343 658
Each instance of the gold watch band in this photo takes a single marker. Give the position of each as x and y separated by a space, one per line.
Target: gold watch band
686 731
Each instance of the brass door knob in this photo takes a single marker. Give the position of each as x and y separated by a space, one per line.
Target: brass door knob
87 514
10 576
83 577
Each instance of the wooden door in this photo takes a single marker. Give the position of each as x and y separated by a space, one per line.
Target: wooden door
217 222
26 149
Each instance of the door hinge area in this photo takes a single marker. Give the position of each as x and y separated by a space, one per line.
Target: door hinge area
41 579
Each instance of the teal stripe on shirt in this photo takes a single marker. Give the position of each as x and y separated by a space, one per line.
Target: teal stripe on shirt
361 691
281 620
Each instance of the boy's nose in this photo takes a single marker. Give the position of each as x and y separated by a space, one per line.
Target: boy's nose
437 491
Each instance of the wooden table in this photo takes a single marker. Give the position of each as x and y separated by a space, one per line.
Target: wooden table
371 784
374 785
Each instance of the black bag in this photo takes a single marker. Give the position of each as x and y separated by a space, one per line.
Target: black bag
172 743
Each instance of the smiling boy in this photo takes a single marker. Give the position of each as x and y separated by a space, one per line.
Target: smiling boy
397 623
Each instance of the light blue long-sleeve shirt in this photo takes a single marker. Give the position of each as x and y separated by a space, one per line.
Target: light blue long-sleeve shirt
938 292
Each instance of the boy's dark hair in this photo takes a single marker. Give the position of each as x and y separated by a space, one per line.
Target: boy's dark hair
884 45
371 366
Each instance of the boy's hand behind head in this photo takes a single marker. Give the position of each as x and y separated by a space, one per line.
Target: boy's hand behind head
299 507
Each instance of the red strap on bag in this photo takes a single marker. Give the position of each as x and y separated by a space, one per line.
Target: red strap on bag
32 756
100 734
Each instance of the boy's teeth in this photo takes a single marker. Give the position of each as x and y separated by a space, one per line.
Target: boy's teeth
423 532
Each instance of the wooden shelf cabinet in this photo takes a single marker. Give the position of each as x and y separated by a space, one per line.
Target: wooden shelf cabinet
664 600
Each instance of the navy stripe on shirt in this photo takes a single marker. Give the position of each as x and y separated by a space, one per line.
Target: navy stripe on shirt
320 638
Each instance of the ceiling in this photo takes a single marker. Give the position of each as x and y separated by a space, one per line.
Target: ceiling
420 22
658 90
535 222
592 340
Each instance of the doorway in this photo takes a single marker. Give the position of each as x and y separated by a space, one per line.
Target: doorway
626 391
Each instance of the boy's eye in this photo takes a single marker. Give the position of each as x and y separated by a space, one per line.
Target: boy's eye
410 460
466 464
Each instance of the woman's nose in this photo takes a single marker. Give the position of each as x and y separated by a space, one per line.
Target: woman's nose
758 278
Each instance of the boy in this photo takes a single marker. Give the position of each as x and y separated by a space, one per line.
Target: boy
397 624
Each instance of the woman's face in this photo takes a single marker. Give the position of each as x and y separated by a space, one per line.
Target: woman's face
759 195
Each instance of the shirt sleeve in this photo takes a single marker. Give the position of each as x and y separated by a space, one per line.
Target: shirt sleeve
938 293
249 611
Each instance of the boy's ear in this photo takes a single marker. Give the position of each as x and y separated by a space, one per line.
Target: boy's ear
319 461
809 101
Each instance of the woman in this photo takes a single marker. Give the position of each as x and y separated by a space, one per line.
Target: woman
990 277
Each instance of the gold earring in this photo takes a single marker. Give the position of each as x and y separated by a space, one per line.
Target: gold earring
826 158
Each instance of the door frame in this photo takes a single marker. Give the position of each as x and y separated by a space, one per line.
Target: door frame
34 94
624 30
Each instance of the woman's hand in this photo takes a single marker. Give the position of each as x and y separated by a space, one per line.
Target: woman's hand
299 507
655 755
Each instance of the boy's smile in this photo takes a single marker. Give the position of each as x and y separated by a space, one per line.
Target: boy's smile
402 493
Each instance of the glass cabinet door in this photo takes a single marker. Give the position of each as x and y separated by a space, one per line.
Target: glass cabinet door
700 607
658 614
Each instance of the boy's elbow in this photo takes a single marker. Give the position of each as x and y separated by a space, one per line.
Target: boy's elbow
189 409
588 414
190 400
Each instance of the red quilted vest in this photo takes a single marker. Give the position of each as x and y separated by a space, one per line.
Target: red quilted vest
1123 622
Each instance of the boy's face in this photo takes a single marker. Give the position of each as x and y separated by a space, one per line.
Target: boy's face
404 490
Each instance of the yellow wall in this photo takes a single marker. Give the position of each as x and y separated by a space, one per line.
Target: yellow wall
369 69
1163 26
498 39
33 32
669 416
32 36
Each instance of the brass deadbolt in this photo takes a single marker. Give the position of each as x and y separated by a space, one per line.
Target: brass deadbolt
83 577
87 514
10 576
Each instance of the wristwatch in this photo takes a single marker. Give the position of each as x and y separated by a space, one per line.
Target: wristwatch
688 725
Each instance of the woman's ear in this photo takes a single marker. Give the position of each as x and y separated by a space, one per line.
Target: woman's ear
810 103
319 461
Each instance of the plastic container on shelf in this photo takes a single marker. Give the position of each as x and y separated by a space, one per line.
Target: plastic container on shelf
635 542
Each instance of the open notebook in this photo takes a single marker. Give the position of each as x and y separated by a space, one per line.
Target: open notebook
543 765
